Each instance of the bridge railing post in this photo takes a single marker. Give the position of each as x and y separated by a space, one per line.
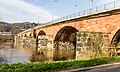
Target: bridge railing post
74 14
96 9
114 4
91 10
84 12
104 6
78 13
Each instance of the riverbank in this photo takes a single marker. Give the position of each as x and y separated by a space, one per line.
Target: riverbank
57 65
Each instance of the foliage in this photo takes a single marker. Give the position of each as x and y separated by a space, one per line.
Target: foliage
55 66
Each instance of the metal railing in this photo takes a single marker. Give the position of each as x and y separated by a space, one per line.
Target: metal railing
94 10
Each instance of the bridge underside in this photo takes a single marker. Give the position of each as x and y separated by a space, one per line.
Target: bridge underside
116 43
90 36
70 43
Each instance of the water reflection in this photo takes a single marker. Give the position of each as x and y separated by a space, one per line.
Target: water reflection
27 52
10 54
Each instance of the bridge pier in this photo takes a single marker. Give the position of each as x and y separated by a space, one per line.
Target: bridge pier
91 45
45 48
86 45
25 42
45 42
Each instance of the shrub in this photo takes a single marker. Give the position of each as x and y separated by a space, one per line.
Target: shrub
55 66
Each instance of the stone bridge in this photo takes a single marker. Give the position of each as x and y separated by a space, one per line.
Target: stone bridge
91 33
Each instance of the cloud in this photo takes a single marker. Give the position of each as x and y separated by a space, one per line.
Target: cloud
20 11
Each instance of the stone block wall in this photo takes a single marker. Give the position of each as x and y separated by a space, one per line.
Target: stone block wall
25 43
91 45
45 48
45 42
64 50
88 45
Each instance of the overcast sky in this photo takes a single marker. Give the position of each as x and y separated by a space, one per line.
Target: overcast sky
41 10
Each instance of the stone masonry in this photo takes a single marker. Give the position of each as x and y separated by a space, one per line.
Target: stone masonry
93 40
92 45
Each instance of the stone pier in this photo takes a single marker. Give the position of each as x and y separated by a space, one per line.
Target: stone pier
86 46
92 45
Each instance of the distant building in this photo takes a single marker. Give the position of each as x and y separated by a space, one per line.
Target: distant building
5 33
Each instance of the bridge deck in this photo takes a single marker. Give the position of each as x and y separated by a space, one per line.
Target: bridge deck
98 11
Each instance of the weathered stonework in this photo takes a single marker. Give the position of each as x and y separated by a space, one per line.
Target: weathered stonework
45 48
45 42
91 45
25 43
64 50
92 42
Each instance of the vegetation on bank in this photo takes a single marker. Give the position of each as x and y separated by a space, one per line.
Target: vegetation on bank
55 66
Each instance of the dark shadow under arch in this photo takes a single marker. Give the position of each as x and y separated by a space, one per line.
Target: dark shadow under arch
30 35
115 43
116 37
65 33
41 33
25 35
67 37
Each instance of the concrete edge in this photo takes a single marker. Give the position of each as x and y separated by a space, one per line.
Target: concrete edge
89 68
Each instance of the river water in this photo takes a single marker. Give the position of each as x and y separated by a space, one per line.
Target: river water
10 54
20 53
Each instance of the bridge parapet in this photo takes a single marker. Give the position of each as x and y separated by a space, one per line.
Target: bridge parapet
98 9
88 34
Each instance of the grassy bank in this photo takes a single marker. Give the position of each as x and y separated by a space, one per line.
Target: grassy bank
55 66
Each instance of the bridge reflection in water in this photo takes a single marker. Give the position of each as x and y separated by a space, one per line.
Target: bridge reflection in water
10 54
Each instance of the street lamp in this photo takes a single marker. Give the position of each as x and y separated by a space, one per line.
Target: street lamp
91 1
54 1
0 15
39 16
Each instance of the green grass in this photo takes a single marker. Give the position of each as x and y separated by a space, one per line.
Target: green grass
56 66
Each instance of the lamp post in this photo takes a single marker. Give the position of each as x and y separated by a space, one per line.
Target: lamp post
38 16
0 15
91 1
54 1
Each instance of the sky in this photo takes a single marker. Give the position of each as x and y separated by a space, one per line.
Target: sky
42 11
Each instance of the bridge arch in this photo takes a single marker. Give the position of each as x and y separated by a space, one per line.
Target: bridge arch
25 35
64 33
41 32
116 42
30 35
65 43
21 35
116 37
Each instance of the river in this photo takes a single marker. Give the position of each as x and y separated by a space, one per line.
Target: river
10 54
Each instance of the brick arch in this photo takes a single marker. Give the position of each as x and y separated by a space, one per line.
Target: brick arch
116 37
21 35
41 32
56 28
25 35
30 35
65 30
65 40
